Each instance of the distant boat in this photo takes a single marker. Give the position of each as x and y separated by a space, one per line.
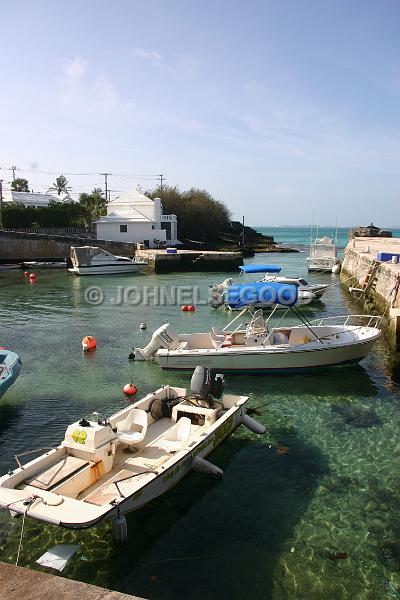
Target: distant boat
54 264
91 260
323 257
10 367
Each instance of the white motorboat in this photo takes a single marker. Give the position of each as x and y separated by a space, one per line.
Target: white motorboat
323 257
107 467
307 293
257 348
35 264
91 260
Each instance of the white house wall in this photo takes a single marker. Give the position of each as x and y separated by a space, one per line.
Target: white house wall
136 233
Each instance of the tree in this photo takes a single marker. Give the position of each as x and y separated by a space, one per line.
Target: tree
20 185
200 216
94 204
60 185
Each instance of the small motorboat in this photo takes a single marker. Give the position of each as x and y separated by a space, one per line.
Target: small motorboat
226 292
108 467
10 367
323 257
35 264
91 260
257 348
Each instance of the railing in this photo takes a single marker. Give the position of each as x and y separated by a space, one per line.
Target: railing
165 218
371 320
52 230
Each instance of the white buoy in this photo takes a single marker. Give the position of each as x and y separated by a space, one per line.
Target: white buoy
204 466
119 530
336 269
252 424
143 326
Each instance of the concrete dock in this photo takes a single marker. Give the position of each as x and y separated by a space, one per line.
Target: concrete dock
18 583
161 261
378 282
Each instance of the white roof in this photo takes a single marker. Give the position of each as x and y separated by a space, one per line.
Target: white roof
135 196
35 198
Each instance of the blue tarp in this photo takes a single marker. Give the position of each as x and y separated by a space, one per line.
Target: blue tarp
387 256
246 294
260 268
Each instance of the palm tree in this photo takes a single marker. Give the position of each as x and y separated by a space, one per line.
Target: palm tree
60 185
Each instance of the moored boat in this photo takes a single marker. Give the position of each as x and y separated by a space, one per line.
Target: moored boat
257 348
91 260
10 367
107 467
323 256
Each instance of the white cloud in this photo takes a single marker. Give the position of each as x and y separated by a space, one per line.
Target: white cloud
151 55
87 88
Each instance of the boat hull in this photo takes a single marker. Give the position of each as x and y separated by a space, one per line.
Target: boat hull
107 269
12 370
264 360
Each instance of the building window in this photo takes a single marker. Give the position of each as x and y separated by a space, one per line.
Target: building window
123 228
153 226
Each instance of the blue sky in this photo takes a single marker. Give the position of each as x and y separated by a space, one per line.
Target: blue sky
278 108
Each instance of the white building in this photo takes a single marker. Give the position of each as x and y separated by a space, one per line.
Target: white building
133 217
33 200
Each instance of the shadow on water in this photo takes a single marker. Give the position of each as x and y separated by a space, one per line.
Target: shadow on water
222 538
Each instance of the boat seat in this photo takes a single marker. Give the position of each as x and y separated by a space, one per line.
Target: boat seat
132 429
217 339
177 434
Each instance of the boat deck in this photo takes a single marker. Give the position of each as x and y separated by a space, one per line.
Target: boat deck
131 466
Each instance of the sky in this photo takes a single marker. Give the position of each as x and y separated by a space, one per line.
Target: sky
286 110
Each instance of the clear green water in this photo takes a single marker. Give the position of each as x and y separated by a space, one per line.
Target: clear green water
271 528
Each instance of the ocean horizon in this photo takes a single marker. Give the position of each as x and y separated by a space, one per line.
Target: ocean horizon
301 236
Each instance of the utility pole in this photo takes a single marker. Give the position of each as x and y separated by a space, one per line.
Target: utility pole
243 232
1 203
161 178
105 175
13 169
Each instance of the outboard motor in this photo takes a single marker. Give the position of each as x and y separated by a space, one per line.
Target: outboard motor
206 383
163 337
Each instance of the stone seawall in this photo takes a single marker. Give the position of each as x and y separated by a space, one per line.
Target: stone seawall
18 247
380 294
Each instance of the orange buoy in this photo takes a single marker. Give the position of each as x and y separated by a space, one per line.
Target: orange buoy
191 308
184 307
130 389
32 276
26 274
89 343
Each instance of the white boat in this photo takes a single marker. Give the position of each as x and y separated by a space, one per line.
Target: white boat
91 260
323 257
317 289
108 467
258 294
34 264
257 348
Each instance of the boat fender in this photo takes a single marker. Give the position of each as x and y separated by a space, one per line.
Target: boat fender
119 530
204 466
252 424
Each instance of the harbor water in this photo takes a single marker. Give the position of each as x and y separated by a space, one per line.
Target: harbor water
308 511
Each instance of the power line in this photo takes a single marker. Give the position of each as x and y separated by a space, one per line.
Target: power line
160 178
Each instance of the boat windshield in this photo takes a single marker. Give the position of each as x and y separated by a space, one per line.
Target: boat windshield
303 282
85 255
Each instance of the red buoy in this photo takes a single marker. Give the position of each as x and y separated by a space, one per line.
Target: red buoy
32 276
88 343
130 389
26 274
184 307
191 308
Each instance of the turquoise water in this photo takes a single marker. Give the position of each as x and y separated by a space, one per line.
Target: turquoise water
308 511
300 236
